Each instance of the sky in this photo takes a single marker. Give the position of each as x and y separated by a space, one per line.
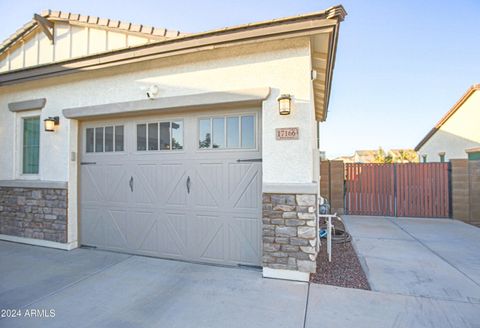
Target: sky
400 65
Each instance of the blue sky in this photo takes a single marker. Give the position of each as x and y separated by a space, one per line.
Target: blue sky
400 65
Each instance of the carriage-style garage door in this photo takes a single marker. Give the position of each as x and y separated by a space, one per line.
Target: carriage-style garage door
185 187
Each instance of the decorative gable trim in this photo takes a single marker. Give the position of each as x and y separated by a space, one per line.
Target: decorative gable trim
45 25
46 18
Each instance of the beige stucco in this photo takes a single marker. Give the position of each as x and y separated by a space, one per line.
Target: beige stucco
284 66
460 132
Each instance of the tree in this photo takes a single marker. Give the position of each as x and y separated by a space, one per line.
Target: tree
381 157
206 143
407 156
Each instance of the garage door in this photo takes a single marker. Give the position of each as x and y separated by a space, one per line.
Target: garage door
183 187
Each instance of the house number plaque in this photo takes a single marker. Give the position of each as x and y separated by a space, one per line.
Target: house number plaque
286 133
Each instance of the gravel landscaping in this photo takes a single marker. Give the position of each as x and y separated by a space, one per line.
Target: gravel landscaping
344 270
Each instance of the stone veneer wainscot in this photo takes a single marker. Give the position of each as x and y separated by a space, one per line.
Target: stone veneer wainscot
39 213
289 232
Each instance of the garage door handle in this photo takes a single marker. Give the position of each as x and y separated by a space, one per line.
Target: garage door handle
131 184
188 184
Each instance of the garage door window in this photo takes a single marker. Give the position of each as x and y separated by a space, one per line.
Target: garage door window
160 136
228 132
104 139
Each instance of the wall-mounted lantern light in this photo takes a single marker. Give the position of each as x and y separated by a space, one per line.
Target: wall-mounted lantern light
50 123
285 104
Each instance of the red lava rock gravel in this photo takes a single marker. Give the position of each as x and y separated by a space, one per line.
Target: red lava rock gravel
344 270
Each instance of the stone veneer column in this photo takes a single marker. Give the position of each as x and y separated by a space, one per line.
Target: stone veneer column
290 232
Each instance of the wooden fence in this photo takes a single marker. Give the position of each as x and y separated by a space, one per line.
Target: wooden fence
413 189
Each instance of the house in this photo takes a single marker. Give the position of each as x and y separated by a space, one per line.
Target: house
199 147
365 156
360 156
380 156
456 133
345 159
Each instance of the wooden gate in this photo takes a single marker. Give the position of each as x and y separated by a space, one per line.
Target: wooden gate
413 189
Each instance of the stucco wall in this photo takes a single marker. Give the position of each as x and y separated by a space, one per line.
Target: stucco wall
460 132
283 66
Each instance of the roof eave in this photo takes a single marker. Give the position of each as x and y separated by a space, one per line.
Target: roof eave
331 65
322 88
19 34
302 25
447 116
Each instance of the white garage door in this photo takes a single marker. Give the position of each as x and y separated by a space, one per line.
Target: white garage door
185 187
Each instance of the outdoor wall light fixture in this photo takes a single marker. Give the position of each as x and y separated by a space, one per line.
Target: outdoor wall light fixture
285 104
50 123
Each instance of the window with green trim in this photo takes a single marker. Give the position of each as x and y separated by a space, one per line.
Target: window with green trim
31 145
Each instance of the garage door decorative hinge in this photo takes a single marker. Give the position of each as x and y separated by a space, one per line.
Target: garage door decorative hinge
249 160
251 267
88 163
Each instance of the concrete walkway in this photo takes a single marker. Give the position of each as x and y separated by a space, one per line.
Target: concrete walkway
423 273
418 277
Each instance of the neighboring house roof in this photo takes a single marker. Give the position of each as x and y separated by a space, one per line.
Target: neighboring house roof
345 159
360 156
398 152
369 155
322 27
92 21
365 156
366 152
447 116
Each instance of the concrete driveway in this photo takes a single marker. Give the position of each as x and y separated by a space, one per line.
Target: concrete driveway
420 278
90 288
423 273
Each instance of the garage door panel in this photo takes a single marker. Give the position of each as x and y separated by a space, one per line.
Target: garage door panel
140 191
115 186
247 190
114 224
145 179
207 238
92 229
217 221
203 194
170 184
139 224
93 181
236 173
176 196
248 198
172 235
245 246
211 178
149 242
